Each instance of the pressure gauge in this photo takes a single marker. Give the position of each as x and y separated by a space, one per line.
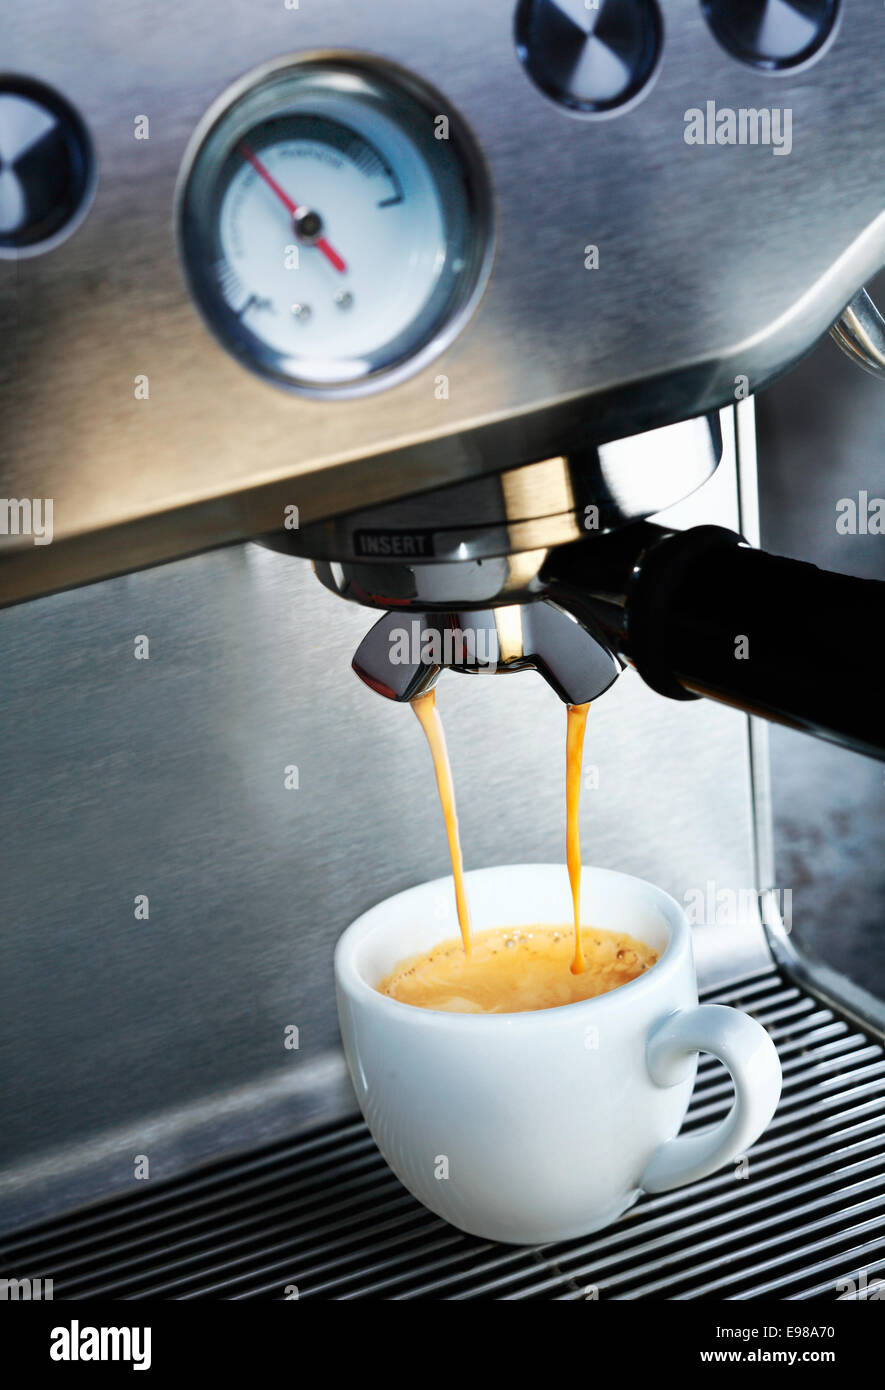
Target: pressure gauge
334 224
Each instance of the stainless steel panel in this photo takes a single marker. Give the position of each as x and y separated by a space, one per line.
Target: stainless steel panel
166 777
714 262
820 440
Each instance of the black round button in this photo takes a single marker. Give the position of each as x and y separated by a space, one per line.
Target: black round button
771 33
47 167
589 58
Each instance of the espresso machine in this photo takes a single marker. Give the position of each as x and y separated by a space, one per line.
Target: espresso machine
494 379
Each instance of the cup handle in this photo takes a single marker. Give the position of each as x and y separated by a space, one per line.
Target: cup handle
751 1057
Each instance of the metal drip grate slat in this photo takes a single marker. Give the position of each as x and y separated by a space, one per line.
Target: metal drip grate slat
324 1213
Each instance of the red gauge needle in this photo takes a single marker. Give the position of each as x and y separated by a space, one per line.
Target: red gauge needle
321 243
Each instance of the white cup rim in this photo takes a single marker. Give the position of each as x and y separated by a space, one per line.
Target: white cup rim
351 981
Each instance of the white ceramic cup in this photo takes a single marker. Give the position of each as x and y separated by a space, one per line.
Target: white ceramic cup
535 1127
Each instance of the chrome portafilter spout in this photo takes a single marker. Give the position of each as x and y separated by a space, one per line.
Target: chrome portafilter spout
461 567
403 655
696 613
555 567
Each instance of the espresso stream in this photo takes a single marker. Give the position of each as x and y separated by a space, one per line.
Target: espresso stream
508 970
428 717
574 754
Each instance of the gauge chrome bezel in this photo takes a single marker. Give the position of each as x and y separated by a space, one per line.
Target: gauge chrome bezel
366 79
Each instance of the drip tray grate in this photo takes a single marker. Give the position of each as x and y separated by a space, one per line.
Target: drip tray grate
323 1212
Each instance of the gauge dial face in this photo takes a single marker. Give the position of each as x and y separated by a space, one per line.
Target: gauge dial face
334 228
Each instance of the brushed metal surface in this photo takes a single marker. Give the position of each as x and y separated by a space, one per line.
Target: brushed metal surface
166 777
528 507
714 262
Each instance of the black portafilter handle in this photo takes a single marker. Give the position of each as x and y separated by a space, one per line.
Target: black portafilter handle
700 612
